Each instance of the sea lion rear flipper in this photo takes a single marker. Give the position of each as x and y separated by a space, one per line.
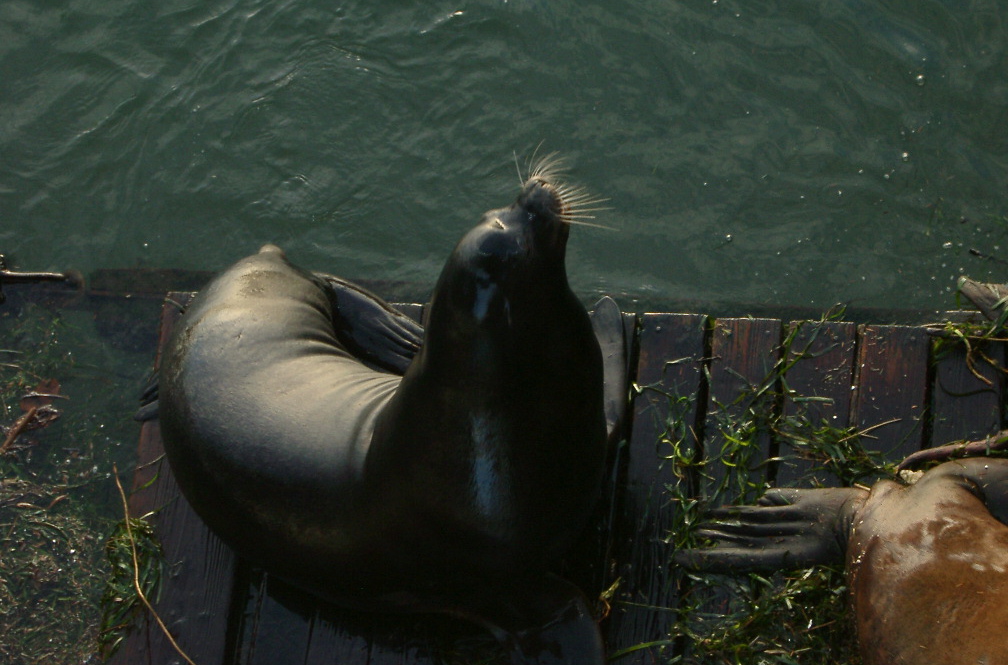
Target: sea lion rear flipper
540 620
607 321
371 329
788 529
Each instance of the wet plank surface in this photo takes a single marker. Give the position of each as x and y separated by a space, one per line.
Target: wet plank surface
665 417
816 390
699 386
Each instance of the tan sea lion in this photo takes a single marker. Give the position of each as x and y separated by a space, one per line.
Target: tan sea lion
927 563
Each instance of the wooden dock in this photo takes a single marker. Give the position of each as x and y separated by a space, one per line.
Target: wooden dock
696 382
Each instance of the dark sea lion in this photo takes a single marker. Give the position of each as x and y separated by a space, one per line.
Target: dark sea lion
339 445
926 564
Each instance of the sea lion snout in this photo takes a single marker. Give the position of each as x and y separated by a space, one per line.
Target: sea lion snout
538 206
540 198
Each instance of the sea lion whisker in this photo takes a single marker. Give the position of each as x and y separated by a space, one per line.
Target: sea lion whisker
521 179
548 168
568 193
585 213
531 159
577 204
551 172
548 158
583 200
571 195
581 222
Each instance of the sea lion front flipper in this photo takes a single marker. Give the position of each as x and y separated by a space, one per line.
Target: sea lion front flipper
607 321
148 400
789 528
371 329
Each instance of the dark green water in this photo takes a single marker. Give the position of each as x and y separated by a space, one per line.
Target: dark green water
797 152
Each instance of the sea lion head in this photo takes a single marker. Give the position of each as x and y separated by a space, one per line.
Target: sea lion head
515 254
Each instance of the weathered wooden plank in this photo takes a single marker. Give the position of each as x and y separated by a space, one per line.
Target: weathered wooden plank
669 376
817 391
383 652
744 354
282 625
195 595
271 633
402 640
331 642
196 585
968 393
891 377
741 406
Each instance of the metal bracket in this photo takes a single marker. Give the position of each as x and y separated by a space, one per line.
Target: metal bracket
11 277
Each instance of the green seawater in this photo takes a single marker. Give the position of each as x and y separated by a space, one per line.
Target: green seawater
794 152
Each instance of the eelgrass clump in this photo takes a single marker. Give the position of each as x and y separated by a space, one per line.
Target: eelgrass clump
682 458
50 575
976 340
979 340
838 451
743 439
120 602
56 509
50 553
790 617
785 619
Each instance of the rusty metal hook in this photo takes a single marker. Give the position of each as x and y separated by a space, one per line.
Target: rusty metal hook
11 277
